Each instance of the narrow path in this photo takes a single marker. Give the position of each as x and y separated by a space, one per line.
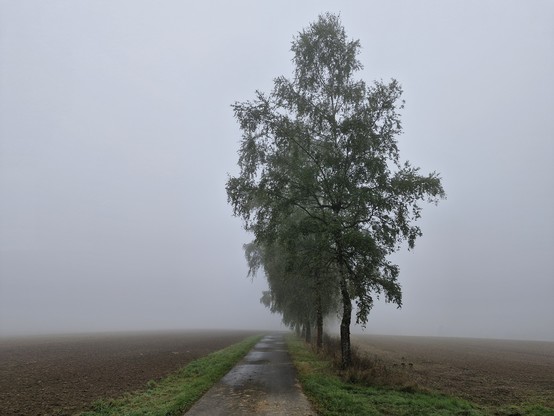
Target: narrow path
263 383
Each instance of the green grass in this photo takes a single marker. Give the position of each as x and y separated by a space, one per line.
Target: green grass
176 393
331 396
524 410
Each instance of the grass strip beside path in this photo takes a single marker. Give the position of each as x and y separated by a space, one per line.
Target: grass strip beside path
332 396
177 392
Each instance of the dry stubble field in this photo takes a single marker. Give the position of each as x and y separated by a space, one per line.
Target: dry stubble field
488 372
63 375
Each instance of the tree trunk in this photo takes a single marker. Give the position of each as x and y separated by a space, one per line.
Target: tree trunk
345 325
319 321
308 329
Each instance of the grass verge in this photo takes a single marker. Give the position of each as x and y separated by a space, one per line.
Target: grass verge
331 395
176 393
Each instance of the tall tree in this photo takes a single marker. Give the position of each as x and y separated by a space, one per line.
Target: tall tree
325 143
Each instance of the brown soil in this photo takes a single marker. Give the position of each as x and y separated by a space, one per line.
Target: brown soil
63 375
488 372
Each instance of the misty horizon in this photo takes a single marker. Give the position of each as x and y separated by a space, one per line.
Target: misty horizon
117 137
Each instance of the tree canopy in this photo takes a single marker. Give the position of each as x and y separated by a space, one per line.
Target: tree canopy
322 148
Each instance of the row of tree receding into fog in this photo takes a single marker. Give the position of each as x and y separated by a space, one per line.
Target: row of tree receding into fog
322 187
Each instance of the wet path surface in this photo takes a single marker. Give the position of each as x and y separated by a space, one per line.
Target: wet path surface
263 383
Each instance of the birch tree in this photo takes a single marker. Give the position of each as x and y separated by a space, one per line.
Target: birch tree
325 143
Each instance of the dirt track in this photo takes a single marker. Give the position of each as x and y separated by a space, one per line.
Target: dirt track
62 375
489 372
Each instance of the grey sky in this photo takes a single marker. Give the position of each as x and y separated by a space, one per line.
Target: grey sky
116 137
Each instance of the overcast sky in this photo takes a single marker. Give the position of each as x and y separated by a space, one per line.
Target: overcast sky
116 138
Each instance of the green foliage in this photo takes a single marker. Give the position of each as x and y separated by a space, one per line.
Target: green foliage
177 392
297 279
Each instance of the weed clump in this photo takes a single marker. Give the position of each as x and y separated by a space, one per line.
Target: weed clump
368 370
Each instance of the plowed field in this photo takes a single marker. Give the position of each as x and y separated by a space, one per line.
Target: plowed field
489 372
63 375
